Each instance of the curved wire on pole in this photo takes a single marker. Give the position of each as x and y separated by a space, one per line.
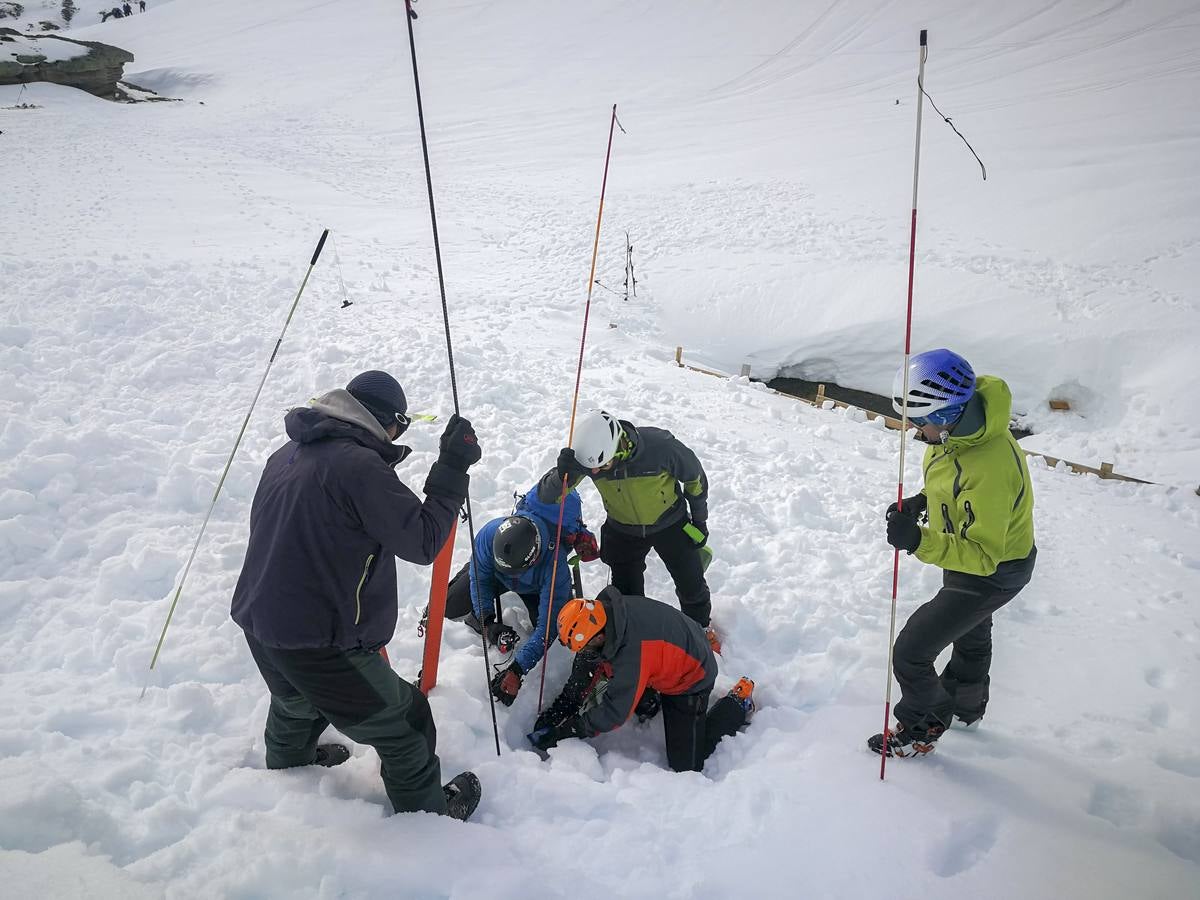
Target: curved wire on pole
229 462
562 500
410 15
912 262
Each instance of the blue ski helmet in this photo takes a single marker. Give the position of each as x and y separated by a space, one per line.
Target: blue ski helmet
940 382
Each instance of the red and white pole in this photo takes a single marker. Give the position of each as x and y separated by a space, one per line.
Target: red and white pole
912 267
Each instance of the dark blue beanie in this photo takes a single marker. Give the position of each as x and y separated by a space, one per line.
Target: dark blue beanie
380 393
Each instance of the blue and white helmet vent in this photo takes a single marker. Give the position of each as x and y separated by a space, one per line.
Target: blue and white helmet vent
940 382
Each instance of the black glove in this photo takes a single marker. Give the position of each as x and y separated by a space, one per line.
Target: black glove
903 532
701 526
545 738
499 635
913 506
459 446
647 708
568 465
506 684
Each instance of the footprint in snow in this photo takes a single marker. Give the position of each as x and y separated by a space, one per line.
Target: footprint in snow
1181 763
969 842
1157 677
1181 835
1116 804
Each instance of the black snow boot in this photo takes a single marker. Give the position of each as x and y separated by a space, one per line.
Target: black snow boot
330 755
905 742
462 795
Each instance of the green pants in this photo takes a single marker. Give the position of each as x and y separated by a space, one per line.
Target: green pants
357 692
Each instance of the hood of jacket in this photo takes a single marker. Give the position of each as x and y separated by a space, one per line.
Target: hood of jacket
996 399
631 433
617 626
338 415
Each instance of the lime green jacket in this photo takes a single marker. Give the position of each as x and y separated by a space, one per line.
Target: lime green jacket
980 497
660 483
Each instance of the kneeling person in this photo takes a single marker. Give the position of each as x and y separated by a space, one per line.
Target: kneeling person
517 554
627 648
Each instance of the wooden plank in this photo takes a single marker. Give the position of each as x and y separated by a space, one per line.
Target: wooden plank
1105 471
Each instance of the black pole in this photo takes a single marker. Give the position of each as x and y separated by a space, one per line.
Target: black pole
437 252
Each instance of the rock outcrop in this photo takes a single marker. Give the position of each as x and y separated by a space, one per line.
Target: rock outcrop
88 65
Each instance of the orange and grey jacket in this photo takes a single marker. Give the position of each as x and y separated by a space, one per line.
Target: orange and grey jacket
647 644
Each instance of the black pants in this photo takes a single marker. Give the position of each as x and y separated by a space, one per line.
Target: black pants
458 598
625 554
358 693
959 614
693 730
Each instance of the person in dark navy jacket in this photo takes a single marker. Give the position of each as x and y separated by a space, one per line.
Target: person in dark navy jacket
317 595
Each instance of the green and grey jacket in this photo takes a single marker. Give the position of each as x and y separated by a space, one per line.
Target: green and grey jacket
978 488
657 485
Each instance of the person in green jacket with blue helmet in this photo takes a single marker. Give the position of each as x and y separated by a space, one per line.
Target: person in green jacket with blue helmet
973 519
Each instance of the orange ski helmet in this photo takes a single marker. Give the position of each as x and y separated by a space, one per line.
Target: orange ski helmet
579 622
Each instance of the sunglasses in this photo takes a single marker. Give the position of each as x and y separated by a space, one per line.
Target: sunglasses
942 417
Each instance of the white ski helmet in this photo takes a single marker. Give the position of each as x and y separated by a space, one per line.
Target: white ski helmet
597 436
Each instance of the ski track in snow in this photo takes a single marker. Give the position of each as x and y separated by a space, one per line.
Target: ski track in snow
143 304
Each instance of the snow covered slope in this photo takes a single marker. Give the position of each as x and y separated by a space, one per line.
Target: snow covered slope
148 255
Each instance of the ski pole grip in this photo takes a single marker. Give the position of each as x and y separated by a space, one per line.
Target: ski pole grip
924 33
321 243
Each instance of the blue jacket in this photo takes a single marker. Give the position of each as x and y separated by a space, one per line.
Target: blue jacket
328 522
535 580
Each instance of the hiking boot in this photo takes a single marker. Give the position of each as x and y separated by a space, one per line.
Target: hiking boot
905 742
462 795
330 755
713 640
743 693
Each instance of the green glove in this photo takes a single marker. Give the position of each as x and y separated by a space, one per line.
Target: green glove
701 541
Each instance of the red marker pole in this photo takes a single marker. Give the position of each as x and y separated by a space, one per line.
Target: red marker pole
437 614
912 267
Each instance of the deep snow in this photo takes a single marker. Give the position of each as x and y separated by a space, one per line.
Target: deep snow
148 255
